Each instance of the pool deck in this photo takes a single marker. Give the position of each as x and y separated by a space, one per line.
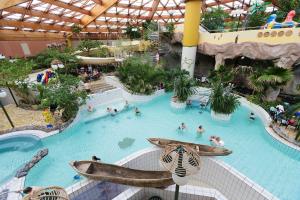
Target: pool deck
20 118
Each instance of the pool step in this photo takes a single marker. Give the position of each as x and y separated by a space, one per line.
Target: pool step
101 87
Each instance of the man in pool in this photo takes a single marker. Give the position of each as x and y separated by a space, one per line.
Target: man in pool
200 129
252 116
182 127
137 111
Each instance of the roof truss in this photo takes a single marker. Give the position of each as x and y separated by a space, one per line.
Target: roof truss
96 15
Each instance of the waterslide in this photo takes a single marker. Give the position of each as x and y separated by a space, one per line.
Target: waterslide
134 45
98 60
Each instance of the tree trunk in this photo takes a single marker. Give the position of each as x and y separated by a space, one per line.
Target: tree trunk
271 94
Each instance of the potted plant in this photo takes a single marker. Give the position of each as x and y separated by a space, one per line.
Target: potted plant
223 103
183 88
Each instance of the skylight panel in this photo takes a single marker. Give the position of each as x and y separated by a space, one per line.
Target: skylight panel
79 16
42 7
57 11
8 27
66 1
33 19
89 7
14 16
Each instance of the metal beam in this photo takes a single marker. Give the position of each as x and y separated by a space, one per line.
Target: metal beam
97 10
8 3
67 6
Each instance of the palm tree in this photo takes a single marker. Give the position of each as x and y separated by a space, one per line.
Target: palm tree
222 101
183 87
269 81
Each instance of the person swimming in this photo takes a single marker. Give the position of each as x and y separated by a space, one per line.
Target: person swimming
126 105
90 108
200 129
137 111
108 109
114 112
252 116
216 141
182 127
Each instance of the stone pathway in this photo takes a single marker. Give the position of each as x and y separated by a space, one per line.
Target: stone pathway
20 117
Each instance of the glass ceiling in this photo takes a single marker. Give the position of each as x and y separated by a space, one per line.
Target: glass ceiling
60 15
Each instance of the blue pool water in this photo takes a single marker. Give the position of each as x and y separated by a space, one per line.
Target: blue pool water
271 164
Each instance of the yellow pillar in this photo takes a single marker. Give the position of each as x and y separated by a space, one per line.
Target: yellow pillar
190 35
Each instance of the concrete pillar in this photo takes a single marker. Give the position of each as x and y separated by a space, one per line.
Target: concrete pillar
190 35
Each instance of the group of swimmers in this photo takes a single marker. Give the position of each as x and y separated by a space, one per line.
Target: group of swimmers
114 111
182 127
111 111
215 140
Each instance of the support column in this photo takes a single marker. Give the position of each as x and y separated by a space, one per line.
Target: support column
190 35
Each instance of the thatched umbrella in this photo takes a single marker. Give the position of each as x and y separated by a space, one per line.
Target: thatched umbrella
55 64
182 161
54 192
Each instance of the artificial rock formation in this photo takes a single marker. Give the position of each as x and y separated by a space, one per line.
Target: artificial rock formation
284 55
24 171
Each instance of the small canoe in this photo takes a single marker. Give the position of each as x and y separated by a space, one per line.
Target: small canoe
122 175
202 150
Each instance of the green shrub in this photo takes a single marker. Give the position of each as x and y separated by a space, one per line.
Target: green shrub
183 87
222 101
139 75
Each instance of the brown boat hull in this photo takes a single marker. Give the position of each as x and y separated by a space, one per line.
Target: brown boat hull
202 150
122 175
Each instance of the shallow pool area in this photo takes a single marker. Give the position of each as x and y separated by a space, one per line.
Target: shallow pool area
256 154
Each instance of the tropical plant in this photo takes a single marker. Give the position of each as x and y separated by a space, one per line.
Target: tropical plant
169 30
183 87
257 15
169 77
284 7
14 74
133 32
139 75
76 28
222 100
224 74
45 58
87 45
269 80
214 19
63 92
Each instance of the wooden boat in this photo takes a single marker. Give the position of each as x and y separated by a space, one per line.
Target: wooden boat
122 175
202 150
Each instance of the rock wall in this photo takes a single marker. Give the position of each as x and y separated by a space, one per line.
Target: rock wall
285 55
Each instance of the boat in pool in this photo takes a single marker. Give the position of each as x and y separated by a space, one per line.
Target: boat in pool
122 175
202 150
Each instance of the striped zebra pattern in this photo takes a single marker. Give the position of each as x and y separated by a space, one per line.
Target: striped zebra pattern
167 158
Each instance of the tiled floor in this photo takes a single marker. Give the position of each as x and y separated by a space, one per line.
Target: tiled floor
20 117
3 194
101 191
